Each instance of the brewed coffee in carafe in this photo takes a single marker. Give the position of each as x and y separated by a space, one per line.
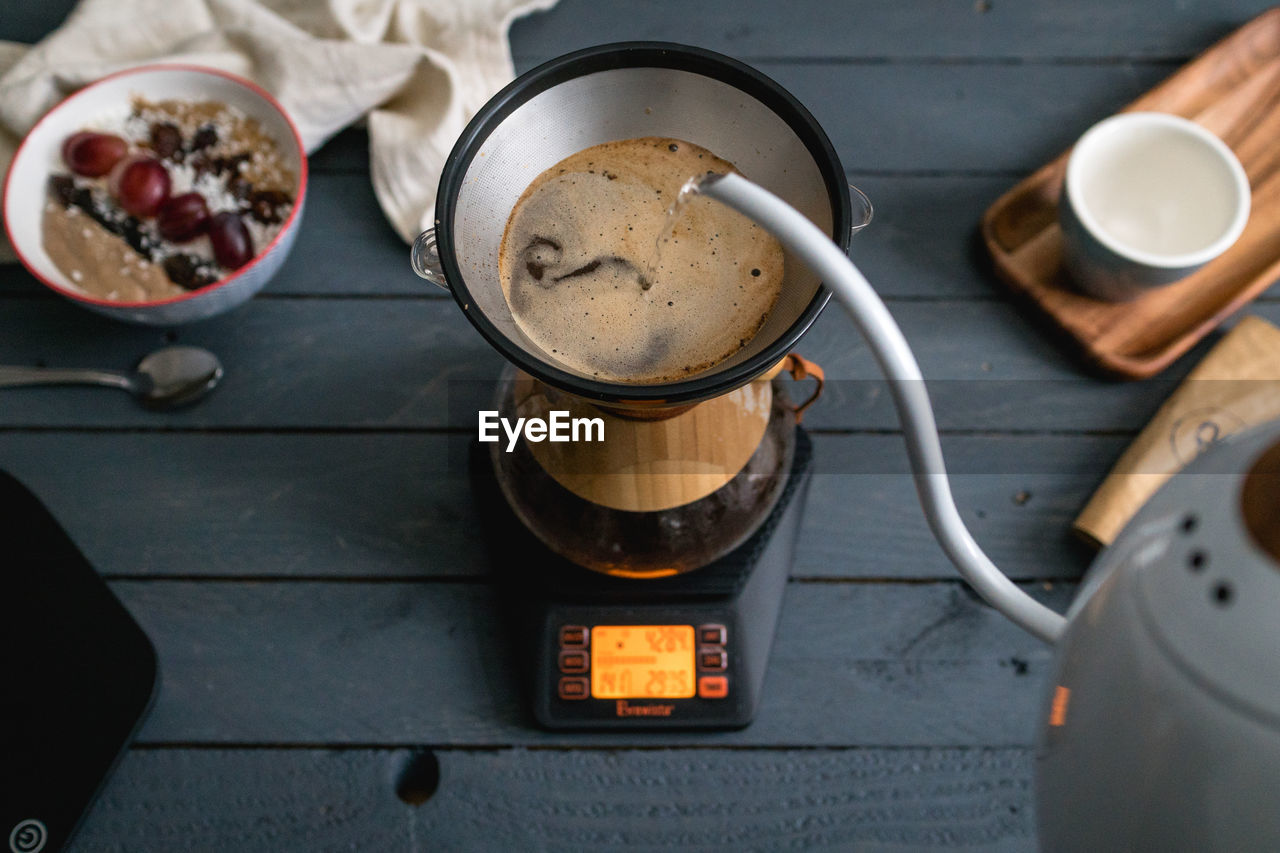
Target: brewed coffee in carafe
619 517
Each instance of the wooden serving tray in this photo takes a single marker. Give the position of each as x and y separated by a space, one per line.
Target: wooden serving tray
1233 89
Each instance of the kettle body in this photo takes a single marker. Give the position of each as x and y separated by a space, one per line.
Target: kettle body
1161 730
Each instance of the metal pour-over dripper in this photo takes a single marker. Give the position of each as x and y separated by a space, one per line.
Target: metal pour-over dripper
617 92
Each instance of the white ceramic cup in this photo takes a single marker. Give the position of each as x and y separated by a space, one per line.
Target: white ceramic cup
1149 198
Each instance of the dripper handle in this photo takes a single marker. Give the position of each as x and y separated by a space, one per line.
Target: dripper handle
862 209
425 259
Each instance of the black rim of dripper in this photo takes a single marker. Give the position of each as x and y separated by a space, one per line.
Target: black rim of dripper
639 54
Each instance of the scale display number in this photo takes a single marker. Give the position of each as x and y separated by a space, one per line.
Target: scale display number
642 662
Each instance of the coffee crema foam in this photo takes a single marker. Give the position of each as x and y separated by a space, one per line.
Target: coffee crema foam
583 275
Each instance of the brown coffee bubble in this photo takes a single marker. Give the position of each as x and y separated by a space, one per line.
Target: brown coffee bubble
587 280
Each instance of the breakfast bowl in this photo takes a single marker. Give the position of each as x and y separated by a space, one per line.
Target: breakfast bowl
159 195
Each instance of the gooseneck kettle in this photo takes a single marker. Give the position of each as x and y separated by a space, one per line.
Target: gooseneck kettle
1161 727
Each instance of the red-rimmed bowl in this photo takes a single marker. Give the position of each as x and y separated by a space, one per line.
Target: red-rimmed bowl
40 155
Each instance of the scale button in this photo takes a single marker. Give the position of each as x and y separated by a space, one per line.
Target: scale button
573 661
573 688
574 637
711 635
713 686
712 658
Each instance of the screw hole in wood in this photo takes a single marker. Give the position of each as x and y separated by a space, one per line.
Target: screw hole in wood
419 778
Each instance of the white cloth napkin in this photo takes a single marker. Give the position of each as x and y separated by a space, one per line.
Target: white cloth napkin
417 69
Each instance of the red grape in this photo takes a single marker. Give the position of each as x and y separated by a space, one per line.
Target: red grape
141 184
232 245
93 154
183 217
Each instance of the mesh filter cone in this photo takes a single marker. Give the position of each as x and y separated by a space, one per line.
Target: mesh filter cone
623 91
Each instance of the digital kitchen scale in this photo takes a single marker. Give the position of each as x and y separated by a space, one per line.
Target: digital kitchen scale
686 651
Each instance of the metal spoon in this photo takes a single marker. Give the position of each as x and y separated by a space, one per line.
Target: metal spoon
165 379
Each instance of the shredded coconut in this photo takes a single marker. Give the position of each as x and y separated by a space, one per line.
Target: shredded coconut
261 234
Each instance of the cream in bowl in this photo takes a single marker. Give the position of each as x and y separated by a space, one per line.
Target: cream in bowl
1149 198
158 195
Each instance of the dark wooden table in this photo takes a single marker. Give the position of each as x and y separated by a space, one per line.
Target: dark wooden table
303 550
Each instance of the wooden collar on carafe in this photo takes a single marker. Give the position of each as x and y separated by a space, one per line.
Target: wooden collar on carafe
657 457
